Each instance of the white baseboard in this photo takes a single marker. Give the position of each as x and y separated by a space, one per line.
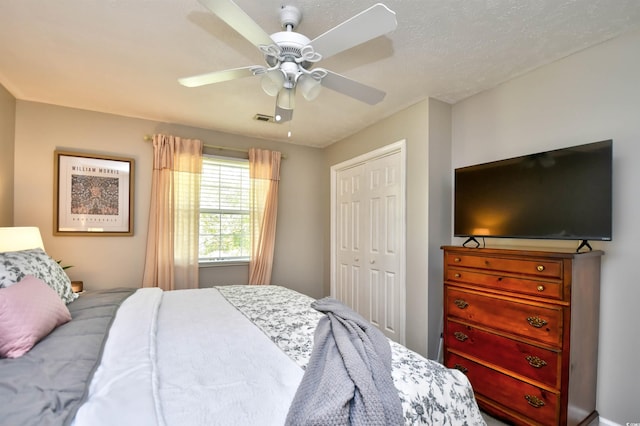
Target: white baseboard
605 422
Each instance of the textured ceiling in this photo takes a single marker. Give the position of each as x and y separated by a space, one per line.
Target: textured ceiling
125 56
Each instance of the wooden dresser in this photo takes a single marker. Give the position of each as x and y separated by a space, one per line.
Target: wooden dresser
523 326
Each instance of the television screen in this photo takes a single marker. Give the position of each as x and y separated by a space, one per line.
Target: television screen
563 194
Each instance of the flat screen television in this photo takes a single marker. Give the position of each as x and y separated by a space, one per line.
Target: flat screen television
564 194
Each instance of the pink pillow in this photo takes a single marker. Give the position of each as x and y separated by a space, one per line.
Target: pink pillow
29 311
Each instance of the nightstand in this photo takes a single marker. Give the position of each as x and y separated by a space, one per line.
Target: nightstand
77 286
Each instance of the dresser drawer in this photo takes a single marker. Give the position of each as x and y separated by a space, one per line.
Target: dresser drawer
538 268
536 363
518 285
538 404
533 321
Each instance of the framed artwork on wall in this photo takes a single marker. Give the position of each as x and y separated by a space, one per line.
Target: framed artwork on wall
93 194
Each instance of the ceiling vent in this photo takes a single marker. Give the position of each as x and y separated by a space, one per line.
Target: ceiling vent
264 117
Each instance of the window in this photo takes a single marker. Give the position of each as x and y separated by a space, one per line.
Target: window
224 210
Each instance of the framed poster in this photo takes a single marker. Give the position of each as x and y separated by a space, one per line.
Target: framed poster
93 194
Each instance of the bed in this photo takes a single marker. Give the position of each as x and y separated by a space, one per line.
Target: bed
215 356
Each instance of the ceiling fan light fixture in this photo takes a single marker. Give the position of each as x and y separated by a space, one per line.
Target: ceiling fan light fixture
272 81
309 86
286 98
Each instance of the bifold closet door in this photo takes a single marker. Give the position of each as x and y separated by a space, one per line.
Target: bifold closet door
368 237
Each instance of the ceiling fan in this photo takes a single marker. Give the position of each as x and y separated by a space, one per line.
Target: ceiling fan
291 56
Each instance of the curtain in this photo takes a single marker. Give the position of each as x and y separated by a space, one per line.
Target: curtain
172 240
264 173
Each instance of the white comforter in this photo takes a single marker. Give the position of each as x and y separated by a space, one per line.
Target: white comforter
235 356
188 358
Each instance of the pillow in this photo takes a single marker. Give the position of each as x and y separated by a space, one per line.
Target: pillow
29 311
15 265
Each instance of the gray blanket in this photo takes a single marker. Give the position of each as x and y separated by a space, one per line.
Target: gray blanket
348 378
47 385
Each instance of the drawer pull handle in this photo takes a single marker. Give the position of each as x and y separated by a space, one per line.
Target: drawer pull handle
540 288
461 368
460 303
456 259
536 362
460 336
540 268
456 275
534 401
536 322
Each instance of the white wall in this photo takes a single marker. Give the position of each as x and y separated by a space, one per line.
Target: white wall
590 96
104 262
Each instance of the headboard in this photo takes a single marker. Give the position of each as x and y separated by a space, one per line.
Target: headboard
20 238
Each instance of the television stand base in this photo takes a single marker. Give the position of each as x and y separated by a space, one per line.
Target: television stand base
471 240
583 244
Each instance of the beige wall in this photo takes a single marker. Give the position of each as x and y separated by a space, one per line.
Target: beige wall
103 262
417 125
7 123
587 97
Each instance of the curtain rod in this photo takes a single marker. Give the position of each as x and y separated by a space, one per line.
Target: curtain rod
149 138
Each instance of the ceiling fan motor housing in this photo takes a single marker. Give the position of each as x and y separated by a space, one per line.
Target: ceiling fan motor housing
290 44
289 16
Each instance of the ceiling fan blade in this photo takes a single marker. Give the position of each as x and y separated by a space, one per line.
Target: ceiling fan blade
367 25
356 90
237 19
218 76
284 114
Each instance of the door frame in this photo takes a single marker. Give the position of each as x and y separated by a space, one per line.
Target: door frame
401 147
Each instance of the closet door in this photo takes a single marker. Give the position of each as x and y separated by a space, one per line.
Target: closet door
381 284
369 236
350 232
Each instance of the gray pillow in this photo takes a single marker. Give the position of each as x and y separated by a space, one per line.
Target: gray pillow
15 265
